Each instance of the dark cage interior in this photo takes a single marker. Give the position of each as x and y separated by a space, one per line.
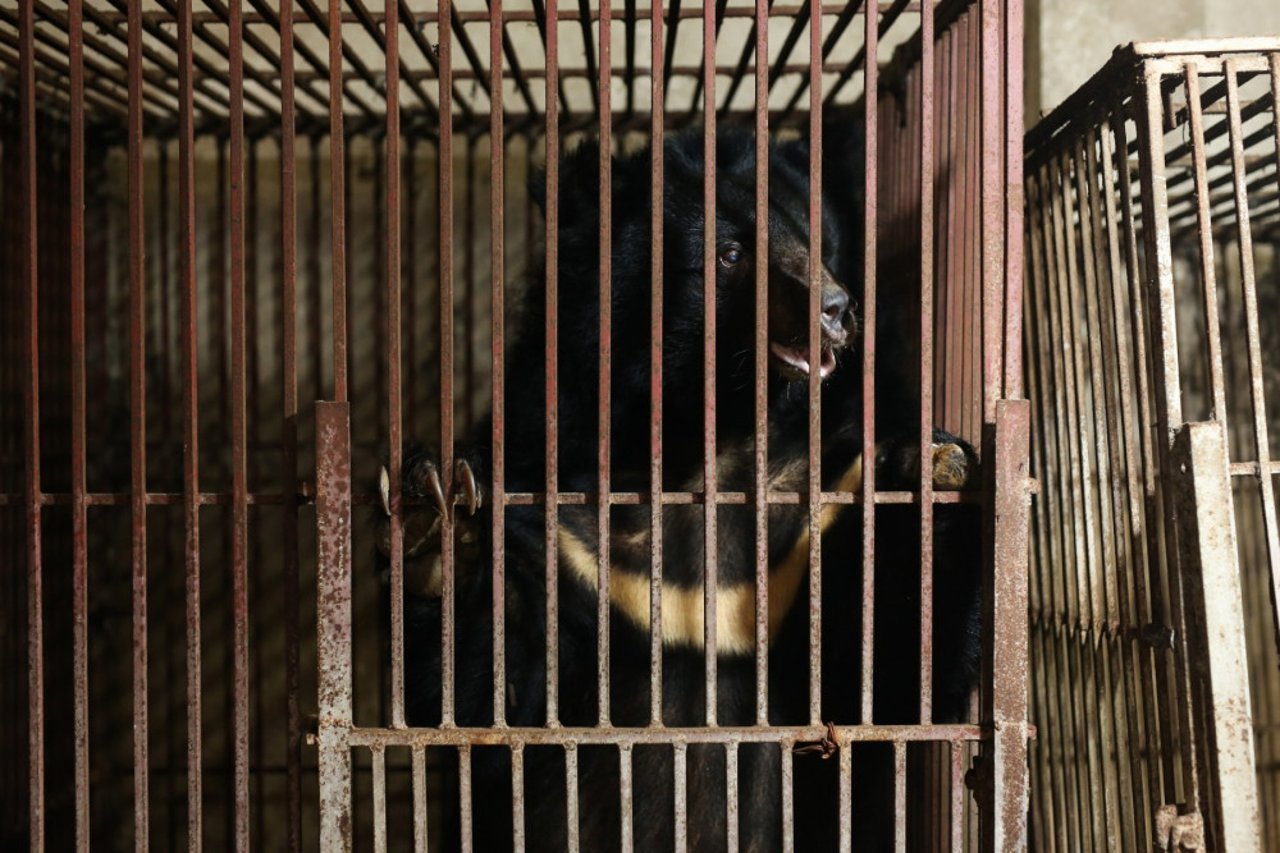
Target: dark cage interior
251 317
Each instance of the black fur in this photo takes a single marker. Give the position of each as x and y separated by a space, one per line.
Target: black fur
897 567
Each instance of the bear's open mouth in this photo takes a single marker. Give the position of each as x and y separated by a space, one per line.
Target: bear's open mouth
795 359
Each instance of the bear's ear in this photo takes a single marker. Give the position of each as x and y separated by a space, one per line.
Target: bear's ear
579 181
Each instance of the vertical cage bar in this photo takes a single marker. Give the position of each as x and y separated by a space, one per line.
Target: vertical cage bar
1209 560
731 796
845 757
626 798
464 796
471 181
191 422
551 210
137 438
79 486
1128 495
871 112
992 121
337 188
679 779
445 245
788 798
379 769
760 96
517 797
1204 229
419 771
1262 441
31 396
900 778
926 185
570 770
498 342
394 384
656 248
603 497
333 621
1005 699
239 433
814 10
958 796
289 421
1174 720
1012 49
710 573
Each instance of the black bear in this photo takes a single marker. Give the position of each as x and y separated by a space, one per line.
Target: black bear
629 527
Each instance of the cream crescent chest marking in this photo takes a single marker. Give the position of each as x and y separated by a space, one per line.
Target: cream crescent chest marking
682 612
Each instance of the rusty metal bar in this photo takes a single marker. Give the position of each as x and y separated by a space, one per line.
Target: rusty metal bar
445 246
813 13
900 769
419 784
333 621
379 772
588 47
731 797
570 761
926 191
1208 279
1011 49
1005 700
31 406
464 796
992 122
603 439
871 203
239 436
760 95
1208 559
337 206
137 436
845 757
679 780
191 423
657 244
626 798
497 276
788 797
79 518
394 384
710 552
551 211
517 797
289 419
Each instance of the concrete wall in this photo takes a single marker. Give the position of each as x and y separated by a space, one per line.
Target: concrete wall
1067 40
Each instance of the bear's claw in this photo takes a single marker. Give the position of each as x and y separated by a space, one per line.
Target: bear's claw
464 478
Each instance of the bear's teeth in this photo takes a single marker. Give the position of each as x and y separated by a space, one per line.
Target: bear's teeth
384 489
828 364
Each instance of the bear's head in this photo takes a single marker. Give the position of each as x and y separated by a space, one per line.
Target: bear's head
735 262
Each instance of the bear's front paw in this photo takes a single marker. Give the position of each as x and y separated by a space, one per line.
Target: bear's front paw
954 463
425 507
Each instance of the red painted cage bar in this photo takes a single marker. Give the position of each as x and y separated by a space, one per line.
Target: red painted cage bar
220 210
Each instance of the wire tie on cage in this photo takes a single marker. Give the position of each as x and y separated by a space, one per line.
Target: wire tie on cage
827 747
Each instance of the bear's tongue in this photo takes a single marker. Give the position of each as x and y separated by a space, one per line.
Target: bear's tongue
798 357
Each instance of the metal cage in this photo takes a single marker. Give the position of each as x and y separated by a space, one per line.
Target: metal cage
211 216
1152 340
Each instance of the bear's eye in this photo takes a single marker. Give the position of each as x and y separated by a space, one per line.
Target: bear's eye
730 255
